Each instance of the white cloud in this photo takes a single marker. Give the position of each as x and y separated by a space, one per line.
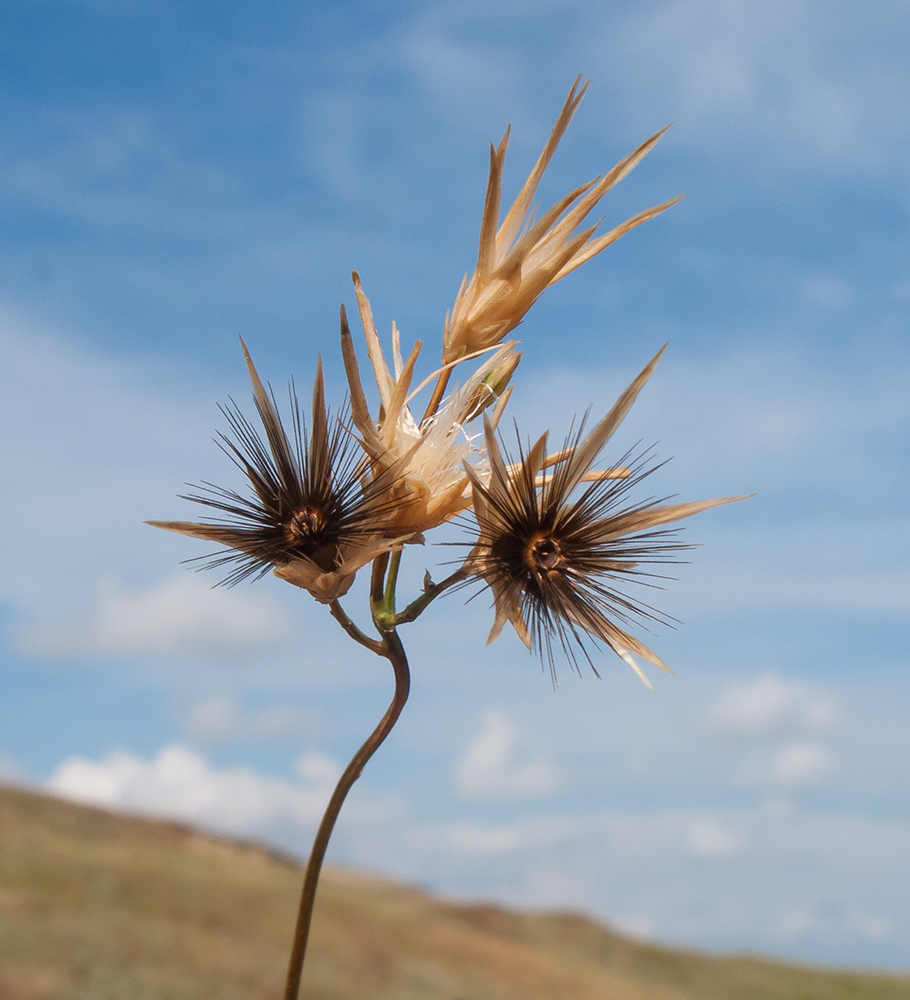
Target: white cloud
475 838
770 705
802 79
492 765
640 928
181 616
181 784
800 765
731 878
797 922
222 720
104 447
871 926
777 722
750 877
709 837
805 920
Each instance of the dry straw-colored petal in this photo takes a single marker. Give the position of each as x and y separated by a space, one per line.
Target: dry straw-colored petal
427 457
519 258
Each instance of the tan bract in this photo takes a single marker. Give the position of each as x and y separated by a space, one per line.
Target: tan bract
520 258
423 462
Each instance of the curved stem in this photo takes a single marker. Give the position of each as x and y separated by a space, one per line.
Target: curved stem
340 616
394 652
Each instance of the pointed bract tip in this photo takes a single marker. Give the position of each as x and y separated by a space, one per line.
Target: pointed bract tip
574 88
176 526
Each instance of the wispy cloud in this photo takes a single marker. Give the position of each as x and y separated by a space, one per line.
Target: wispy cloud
183 616
809 84
770 705
96 445
770 876
219 721
500 763
800 765
180 783
779 730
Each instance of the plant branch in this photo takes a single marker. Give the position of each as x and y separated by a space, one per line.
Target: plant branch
340 616
430 592
394 652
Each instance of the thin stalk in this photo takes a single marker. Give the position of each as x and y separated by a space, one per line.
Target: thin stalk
430 592
340 616
394 652
438 391
392 581
377 579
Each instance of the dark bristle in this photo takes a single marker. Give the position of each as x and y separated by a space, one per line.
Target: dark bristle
310 490
550 551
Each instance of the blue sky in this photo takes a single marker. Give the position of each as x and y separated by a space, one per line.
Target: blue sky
171 174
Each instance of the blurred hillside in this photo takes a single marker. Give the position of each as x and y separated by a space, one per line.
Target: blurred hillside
96 906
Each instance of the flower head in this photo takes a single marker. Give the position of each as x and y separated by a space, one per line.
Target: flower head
309 518
430 484
521 257
554 564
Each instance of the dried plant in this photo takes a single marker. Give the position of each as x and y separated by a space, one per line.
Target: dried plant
312 518
553 563
557 542
431 485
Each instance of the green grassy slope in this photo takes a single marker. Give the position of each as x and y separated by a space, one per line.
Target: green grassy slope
95 906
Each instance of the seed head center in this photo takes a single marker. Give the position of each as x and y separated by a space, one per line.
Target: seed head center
304 525
544 554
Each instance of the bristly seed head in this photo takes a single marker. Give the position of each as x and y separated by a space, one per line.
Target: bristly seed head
556 565
314 515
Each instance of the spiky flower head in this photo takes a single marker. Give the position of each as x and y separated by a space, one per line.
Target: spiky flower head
555 566
430 484
309 517
521 257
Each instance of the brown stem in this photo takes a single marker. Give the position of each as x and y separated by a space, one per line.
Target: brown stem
393 650
377 579
340 616
438 391
430 592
